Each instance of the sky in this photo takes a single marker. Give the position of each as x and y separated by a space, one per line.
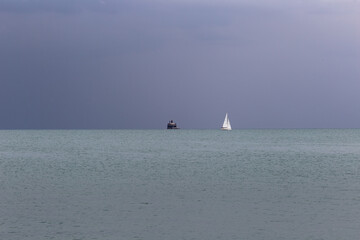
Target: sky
115 64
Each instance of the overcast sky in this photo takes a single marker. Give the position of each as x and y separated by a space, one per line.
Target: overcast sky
140 63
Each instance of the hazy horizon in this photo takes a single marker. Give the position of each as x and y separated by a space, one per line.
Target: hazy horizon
107 64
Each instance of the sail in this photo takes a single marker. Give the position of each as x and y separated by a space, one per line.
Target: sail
226 121
229 125
226 125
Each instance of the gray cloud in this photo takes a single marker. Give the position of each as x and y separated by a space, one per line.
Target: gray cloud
126 64
59 6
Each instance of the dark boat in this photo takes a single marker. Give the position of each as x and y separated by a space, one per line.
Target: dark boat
172 125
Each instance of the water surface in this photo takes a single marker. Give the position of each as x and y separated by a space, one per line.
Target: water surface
180 184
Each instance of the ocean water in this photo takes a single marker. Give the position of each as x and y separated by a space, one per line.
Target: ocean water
180 184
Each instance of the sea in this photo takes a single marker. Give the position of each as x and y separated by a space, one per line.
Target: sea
251 184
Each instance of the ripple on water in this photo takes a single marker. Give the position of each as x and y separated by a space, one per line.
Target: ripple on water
188 184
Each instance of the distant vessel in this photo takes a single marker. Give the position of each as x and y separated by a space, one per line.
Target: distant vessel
172 125
226 125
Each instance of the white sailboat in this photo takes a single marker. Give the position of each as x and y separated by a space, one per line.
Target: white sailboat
226 125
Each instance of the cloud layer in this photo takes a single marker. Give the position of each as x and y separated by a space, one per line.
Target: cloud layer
131 64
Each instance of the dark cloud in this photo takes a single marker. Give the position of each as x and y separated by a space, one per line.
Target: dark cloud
58 6
135 64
